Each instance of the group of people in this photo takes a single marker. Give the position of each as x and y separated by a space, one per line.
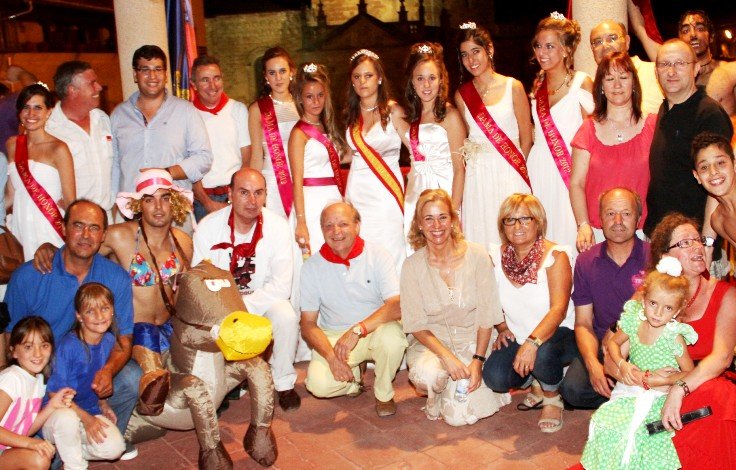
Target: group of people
481 285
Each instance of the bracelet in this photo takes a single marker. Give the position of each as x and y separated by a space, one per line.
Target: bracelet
482 359
684 386
584 222
363 329
644 383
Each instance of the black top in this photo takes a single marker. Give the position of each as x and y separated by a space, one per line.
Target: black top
672 187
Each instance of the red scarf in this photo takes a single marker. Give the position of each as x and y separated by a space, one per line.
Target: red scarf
200 106
524 271
332 257
243 250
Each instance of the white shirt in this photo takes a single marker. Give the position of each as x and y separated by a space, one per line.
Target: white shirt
273 259
228 133
652 96
92 153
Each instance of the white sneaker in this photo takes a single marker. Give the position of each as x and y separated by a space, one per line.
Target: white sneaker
130 453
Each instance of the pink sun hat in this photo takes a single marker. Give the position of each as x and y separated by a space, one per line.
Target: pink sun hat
146 184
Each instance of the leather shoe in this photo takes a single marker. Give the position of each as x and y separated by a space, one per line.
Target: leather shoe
289 400
385 408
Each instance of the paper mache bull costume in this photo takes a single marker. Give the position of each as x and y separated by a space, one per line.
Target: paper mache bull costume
210 320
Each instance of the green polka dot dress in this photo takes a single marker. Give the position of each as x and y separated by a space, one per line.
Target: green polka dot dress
609 426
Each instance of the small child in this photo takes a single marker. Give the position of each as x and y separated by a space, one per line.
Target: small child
618 437
22 387
86 431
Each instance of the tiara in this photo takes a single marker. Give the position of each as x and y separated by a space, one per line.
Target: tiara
364 52
557 15
43 85
424 49
310 68
468 25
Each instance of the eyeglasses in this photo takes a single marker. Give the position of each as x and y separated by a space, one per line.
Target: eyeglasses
150 70
688 242
679 65
511 221
610 39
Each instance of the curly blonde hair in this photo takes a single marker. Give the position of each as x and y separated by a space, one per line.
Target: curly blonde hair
180 207
416 237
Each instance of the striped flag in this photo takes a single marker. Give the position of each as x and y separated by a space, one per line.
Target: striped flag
182 45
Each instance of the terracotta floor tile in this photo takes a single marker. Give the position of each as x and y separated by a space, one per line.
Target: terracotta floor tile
466 453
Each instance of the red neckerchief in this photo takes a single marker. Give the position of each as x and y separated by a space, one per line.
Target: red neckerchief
244 250
198 104
332 257
524 271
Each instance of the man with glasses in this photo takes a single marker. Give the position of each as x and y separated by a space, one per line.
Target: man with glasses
686 112
608 37
152 129
605 278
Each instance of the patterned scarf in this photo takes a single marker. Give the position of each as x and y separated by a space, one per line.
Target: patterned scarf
524 271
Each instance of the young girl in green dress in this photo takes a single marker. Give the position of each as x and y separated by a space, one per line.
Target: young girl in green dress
618 438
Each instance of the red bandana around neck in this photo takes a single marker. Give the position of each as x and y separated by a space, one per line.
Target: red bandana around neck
524 271
200 106
243 250
332 257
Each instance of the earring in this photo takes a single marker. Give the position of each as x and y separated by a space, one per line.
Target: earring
380 81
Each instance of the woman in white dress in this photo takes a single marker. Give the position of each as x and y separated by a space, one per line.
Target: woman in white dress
41 171
561 98
375 184
500 105
315 147
435 134
276 97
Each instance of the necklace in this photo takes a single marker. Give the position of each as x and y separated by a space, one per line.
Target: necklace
566 81
368 110
620 131
706 68
695 296
310 122
279 101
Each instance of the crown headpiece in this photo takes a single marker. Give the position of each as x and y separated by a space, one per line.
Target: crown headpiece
424 49
43 85
365 52
310 68
468 25
557 15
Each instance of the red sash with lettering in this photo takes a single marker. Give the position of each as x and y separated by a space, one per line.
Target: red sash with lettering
377 165
555 142
275 146
39 196
315 134
495 135
414 141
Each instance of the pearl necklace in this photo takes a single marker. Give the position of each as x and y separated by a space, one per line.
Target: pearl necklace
279 101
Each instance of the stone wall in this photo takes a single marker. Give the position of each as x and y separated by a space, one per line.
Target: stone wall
240 40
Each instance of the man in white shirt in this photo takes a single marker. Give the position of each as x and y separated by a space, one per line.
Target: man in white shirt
85 129
255 245
226 121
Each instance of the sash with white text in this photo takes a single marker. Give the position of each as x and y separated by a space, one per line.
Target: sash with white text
555 142
275 146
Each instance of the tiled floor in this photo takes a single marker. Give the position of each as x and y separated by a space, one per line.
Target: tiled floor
344 433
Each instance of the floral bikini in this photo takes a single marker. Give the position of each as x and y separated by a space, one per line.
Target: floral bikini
140 270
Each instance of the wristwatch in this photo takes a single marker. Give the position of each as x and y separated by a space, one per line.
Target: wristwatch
534 340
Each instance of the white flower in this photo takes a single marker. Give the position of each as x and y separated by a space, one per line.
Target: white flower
669 265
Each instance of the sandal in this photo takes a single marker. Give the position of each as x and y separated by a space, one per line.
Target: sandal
555 401
532 401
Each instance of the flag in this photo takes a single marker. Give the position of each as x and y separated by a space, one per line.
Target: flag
182 45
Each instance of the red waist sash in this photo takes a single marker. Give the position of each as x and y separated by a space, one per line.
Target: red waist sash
315 134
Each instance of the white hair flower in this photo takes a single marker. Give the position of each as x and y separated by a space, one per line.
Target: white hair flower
468 25
424 49
365 52
669 265
557 15
310 68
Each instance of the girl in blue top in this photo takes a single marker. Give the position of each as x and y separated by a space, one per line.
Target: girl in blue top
86 431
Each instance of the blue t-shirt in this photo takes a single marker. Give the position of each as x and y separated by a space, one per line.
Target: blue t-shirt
51 296
75 366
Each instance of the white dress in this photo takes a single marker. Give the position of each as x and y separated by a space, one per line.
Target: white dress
435 172
489 178
28 223
546 181
382 220
287 116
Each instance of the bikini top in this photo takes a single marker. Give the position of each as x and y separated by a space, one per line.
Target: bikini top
141 273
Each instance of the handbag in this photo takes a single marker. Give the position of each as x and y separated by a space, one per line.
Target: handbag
11 254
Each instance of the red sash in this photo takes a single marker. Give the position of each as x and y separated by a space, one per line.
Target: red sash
243 250
414 141
218 107
495 135
270 126
555 142
315 134
377 165
39 196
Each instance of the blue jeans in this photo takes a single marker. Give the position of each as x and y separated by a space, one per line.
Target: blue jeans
200 212
552 356
576 388
125 393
